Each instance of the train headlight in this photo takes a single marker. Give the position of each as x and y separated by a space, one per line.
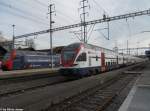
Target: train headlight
82 47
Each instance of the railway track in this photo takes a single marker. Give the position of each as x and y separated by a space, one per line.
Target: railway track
48 93
16 85
96 99
22 84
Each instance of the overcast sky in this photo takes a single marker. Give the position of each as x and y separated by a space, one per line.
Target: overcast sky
31 15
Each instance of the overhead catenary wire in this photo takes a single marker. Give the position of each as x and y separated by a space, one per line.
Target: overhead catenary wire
59 12
128 27
64 18
105 15
20 13
24 17
41 3
99 6
90 33
29 4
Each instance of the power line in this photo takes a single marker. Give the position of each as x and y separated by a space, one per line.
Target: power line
62 15
104 12
128 27
41 3
21 13
15 9
65 17
98 5
58 11
91 32
30 5
77 34
24 17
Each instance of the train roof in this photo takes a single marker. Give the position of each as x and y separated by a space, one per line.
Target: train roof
74 45
97 47
56 50
20 52
91 46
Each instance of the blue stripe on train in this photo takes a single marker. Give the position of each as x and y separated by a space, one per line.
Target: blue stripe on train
79 72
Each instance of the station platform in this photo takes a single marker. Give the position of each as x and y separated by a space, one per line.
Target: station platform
27 72
139 96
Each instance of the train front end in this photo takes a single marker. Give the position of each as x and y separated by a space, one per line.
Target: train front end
68 60
7 63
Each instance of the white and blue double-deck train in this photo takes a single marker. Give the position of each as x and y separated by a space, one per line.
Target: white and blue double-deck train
80 59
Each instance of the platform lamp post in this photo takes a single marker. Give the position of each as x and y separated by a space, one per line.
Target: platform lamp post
13 41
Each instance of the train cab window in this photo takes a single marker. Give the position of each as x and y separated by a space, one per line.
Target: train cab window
68 55
82 57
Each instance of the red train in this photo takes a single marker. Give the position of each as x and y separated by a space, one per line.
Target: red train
16 60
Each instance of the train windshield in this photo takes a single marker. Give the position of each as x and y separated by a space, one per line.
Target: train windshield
68 55
69 52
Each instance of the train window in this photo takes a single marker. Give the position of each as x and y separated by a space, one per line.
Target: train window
82 57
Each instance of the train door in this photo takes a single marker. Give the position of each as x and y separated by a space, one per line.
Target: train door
103 68
117 62
90 61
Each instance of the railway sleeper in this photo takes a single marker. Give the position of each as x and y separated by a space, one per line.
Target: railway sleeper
86 106
105 103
